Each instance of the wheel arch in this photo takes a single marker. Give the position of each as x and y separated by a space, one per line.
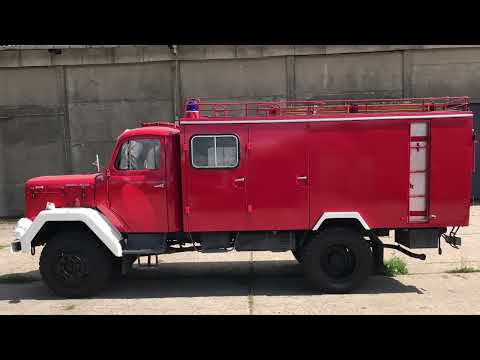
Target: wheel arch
50 222
51 228
345 219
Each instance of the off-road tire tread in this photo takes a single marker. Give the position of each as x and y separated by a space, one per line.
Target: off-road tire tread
336 235
100 263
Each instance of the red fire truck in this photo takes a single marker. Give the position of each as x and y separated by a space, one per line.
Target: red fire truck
322 179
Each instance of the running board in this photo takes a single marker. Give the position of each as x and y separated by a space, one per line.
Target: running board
135 255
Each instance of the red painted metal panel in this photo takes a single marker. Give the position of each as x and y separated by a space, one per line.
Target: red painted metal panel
173 183
451 171
362 167
102 204
277 184
215 199
63 191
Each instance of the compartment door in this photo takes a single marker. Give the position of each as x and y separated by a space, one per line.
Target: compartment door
215 175
277 187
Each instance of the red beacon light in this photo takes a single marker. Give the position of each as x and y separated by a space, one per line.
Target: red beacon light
192 109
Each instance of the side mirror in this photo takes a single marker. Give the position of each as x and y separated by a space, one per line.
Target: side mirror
96 163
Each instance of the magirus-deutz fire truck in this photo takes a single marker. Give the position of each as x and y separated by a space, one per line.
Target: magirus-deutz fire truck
322 179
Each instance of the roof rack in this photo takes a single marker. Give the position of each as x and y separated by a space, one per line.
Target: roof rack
320 107
160 123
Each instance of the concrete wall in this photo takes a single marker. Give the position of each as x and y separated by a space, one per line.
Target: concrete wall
31 123
103 101
341 76
58 111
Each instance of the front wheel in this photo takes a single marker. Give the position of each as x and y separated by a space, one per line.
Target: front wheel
337 260
75 265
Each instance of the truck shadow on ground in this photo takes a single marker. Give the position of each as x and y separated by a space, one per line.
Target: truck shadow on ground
200 279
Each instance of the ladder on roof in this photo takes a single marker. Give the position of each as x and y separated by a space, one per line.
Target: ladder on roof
319 107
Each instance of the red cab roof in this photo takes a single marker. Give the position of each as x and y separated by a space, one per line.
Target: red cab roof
158 130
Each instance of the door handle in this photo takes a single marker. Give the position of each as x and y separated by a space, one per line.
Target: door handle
239 183
159 186
302 180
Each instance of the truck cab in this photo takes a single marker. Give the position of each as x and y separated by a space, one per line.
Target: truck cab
140 186
142 177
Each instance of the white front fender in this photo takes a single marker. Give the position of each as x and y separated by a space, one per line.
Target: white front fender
98 223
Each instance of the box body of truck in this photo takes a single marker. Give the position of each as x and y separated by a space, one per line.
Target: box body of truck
396 170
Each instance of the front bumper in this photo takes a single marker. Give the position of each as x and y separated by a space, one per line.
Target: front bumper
20 230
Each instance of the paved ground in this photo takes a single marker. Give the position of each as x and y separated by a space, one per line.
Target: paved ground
252 283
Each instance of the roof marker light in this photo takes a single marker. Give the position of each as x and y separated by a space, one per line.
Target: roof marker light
192 109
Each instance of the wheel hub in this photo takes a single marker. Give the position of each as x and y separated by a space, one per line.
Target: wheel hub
71 267
338 261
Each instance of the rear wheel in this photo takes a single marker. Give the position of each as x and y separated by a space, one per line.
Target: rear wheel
75 264
337 260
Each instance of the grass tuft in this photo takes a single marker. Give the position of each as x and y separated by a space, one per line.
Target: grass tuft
396 266
463 270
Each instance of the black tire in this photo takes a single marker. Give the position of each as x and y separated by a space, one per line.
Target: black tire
300 241
337 260
75 264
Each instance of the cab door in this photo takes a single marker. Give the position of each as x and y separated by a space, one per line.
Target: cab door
137 185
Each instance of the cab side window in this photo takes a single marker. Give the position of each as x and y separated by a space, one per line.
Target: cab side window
142 154
214 151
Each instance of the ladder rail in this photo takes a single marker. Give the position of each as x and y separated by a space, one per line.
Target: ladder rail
316 107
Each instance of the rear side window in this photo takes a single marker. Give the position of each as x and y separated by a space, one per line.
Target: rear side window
214 151
142 154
